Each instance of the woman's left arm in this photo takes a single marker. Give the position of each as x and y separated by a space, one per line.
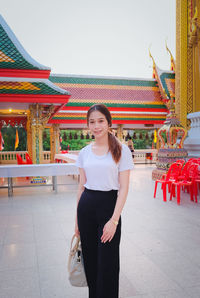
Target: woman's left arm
110 227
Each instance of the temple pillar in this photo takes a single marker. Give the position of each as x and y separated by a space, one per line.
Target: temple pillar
36 122
181 82
54 140
187 83
29 136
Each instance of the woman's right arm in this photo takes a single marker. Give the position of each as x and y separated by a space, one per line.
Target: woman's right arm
81 188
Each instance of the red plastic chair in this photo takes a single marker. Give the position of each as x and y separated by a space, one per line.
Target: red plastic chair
197 180
182 161
172 174
184 170
20 160
64 151
28 159
189 181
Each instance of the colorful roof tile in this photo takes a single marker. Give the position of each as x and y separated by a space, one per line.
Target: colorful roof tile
29 86
129 100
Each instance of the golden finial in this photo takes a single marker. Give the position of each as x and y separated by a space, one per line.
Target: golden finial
154 64
172 67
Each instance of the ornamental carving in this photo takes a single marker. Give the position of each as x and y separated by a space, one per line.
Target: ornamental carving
194 30
39 115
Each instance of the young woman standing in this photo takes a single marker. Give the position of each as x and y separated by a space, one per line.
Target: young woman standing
104 167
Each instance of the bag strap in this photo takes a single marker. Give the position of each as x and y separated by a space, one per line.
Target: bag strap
73 250
75 247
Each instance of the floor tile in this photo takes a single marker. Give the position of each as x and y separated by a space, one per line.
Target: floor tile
159 251
18 256
19 284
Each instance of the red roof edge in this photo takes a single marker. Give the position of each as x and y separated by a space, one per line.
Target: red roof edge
35 98
25 73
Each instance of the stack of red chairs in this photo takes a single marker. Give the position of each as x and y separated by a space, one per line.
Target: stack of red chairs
171 176
186 179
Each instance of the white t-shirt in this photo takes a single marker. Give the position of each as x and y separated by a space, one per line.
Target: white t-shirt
102 172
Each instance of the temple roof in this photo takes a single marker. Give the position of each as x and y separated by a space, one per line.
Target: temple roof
130 100
24 81
12 53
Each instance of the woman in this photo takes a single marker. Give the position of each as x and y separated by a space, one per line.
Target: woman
104 167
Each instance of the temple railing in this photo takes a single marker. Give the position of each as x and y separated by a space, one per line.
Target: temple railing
142 156
46 156
9 157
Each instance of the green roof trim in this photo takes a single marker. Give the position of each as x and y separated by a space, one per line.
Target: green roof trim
113 118
102 81
161 106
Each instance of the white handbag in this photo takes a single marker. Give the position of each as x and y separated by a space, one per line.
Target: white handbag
76 271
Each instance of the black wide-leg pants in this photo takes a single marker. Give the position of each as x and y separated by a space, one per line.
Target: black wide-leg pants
101 260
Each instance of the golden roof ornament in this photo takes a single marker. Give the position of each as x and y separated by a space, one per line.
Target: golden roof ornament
172 134
154 64
173 64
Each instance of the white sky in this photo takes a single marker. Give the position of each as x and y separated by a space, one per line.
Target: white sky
95 37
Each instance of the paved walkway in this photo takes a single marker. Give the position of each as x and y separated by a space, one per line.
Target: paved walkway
160 248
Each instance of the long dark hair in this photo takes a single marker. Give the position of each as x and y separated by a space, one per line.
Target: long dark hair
114 144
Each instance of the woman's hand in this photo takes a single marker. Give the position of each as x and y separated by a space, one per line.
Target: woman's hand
108 232
77 233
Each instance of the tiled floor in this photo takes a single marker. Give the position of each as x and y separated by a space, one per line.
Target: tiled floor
160 247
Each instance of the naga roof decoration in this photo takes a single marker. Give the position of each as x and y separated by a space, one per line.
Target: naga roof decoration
131 101
173 64
167 80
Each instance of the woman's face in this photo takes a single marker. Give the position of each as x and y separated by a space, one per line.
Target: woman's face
98 124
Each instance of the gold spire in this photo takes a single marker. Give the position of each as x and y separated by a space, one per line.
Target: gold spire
154 64
173 65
